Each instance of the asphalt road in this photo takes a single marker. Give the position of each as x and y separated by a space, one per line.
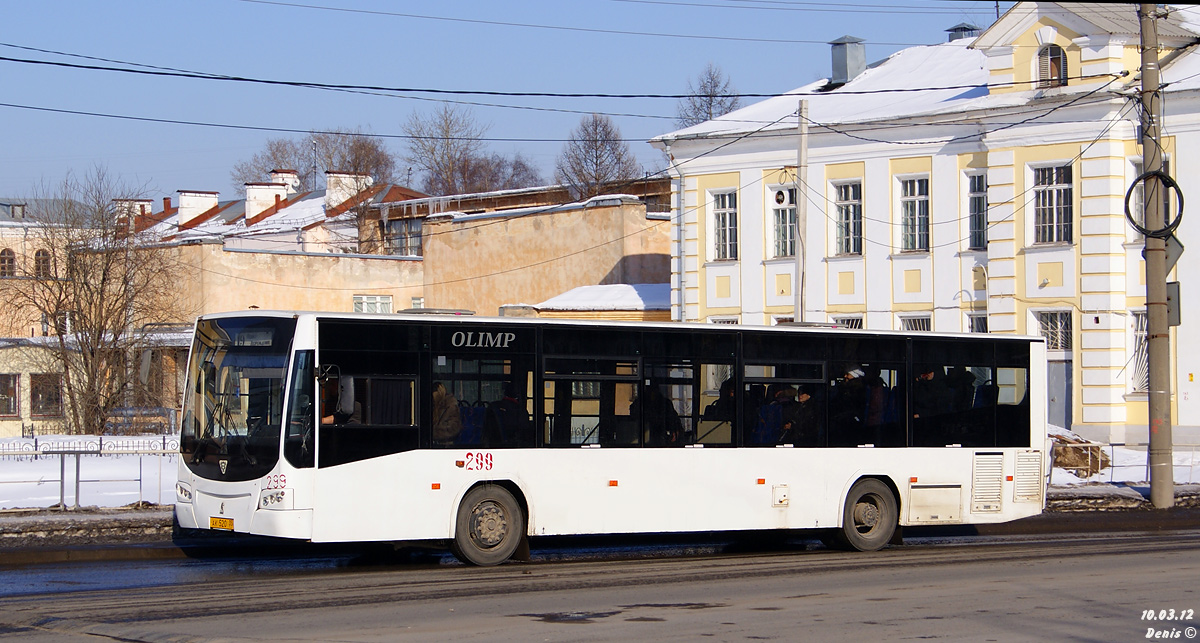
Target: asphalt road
1071 583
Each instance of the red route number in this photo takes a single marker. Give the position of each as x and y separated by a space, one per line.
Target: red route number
276 481
479 462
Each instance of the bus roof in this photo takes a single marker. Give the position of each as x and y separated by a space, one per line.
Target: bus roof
461 318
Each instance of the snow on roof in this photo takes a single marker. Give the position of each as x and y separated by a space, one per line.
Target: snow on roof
603 200
902 84
612 297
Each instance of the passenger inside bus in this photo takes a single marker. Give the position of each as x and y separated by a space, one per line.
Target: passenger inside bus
659 417
447 419
506 422
338 405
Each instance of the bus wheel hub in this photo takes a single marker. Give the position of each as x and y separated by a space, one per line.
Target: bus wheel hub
866 515
488 524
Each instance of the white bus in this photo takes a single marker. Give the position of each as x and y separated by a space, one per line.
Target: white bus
480 432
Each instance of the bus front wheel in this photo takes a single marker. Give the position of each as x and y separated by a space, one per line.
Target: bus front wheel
489 526
869 517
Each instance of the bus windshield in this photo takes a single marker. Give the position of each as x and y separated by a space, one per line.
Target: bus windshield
233 401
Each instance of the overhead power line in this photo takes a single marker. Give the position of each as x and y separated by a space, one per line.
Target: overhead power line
178 73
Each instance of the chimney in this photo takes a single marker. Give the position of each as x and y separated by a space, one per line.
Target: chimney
193 204
342 186
166 205
261 197
849 59
962 30
290 178
131 211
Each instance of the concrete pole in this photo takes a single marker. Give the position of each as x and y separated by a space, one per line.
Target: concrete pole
801 209
1162 479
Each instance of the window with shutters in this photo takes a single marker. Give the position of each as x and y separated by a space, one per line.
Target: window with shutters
1052 67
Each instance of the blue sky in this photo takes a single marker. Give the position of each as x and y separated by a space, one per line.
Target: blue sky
593 46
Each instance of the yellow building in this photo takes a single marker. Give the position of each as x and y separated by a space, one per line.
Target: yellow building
975 185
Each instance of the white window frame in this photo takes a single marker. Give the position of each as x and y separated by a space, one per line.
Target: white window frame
977 210
1051 328
783 221
913 205
1052 226
372 303
724 225
849 321
848 220
1139 353
1047 78
977 323
922 323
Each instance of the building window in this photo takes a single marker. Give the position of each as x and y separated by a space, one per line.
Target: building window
977 323
725 226
1140 363
1055 326
849 322
849 218
403 237
41 264
418 303
45 394
784 218
977 207
916 324
1053 208
372 303
1052 67
8 263
10 398
914 214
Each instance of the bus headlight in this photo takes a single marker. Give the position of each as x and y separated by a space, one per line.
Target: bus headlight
183 493
277 499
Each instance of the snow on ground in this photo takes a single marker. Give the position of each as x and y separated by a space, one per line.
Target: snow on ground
30 478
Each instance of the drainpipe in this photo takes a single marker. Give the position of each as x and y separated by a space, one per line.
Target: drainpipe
677 175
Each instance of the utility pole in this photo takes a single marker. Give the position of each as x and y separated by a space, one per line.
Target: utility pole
1162 478
801 208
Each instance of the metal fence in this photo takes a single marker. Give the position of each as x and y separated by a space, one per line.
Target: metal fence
68 451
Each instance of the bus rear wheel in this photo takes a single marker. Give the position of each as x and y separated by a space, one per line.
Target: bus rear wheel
489 526
869 517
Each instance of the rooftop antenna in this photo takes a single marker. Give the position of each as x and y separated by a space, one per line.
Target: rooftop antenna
312 181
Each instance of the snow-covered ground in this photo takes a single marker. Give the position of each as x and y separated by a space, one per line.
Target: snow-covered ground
30 478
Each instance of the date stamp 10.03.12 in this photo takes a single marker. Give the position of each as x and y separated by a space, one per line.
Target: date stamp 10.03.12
1166 624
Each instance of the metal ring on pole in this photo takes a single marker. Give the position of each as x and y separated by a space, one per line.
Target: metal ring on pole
1168 183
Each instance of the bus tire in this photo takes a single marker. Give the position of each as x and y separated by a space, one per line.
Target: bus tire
869 517
489 526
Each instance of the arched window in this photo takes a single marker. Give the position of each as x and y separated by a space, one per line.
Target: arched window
1052 66
41 264
8 263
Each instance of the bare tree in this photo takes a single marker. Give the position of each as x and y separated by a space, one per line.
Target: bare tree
595 155
447 146
444 145
710 97
336 151
98 284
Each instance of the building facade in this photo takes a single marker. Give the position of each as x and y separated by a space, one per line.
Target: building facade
976 185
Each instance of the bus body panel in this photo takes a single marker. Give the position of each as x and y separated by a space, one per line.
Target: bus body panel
414 495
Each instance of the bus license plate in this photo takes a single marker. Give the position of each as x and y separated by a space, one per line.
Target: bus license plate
220 523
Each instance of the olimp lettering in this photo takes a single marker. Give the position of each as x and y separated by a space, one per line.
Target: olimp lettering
472 339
